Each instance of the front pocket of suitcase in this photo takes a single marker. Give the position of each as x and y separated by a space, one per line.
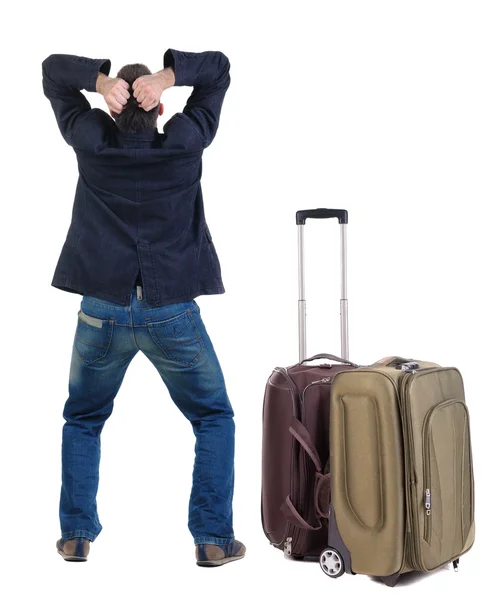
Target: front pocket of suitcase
447 503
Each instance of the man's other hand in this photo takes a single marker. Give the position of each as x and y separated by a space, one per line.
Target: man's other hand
147 89
114 90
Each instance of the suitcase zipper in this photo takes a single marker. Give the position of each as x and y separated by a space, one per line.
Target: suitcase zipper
294 389
410 482
428 516
410 477
322 381
412 501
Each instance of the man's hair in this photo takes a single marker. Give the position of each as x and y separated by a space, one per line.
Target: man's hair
132 117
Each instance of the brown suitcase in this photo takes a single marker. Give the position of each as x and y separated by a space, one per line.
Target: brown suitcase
295 480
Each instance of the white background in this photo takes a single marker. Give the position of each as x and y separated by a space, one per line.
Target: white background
388 109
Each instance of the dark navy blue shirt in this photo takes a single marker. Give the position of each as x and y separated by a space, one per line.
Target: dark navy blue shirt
138 213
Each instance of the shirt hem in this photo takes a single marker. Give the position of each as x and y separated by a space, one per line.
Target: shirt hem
68 286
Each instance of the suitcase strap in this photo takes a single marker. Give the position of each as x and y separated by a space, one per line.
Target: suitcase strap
292 514
303 437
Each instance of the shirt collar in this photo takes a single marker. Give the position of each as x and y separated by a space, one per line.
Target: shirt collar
144 134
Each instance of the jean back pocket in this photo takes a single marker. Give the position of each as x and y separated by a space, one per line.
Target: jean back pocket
93 337
179 338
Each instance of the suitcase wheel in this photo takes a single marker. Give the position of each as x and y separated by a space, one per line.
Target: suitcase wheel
331 562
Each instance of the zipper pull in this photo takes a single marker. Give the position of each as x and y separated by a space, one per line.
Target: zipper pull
288 546
428 501
323 380
139 292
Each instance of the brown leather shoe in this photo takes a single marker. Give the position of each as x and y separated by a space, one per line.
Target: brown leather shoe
212 555
74 549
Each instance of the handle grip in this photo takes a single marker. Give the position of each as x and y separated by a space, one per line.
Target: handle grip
322 213
392 361
330 357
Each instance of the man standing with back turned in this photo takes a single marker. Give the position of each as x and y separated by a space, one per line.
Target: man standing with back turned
139 251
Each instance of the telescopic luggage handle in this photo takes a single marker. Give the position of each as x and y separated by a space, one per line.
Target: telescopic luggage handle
323 213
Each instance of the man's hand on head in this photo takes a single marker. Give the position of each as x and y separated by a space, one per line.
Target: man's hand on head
114 90
147 89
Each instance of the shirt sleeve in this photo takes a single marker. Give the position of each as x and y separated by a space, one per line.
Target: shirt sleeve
209 74
63 76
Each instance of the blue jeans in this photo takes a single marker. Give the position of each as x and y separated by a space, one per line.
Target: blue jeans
174 339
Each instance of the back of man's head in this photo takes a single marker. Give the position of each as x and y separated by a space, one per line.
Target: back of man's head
133 118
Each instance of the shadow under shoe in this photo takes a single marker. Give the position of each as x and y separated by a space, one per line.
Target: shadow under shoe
74 549
212 555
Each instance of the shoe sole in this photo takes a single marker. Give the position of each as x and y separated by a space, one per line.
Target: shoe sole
70 558
219 562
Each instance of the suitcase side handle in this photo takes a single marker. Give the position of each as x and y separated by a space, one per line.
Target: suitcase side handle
303 437
322 213
329 357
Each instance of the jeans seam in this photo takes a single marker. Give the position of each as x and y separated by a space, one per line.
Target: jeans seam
93 535
206 539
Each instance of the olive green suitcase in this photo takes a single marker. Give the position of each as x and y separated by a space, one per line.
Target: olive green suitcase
402 487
